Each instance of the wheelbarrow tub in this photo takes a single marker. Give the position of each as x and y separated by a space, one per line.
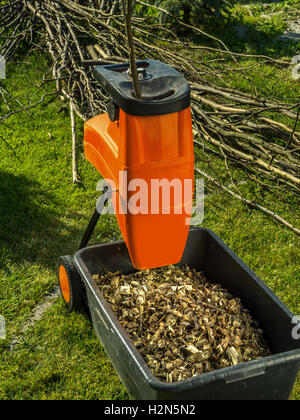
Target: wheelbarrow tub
270 378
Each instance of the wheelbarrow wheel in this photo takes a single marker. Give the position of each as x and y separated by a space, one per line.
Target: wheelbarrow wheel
70 284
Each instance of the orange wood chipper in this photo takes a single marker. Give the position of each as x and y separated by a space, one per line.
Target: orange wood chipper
151 140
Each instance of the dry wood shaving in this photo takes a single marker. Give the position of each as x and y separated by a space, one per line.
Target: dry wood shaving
182 324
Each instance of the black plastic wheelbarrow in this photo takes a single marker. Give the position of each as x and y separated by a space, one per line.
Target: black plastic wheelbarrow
270 378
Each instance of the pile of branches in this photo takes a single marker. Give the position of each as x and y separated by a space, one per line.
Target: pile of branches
258 135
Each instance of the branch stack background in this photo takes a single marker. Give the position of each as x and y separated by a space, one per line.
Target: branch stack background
257 136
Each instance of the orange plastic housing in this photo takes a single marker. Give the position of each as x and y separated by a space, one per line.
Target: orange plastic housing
148 148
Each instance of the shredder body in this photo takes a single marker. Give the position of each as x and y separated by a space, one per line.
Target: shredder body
148 148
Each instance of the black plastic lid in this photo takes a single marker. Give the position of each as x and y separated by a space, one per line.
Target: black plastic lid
164 90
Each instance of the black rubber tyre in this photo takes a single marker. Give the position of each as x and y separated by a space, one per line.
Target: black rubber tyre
70 284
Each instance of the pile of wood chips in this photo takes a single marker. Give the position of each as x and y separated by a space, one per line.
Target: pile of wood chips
182 324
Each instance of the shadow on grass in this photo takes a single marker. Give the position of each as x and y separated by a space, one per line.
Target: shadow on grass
30 230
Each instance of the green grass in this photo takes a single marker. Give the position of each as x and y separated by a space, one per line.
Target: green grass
43 216
264 22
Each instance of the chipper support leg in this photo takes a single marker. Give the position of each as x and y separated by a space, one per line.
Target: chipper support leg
94 220
90 229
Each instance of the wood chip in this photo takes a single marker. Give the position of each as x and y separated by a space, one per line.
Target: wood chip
182 324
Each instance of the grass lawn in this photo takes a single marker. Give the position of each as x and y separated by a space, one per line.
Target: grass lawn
43 216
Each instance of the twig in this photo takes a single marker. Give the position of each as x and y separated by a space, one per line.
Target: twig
127 5
250 202
76 179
